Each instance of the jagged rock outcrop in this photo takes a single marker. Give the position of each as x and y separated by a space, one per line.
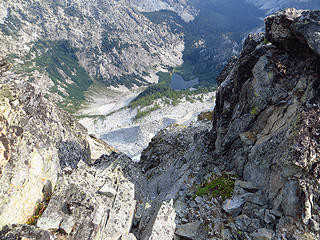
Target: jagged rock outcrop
38 142
87 198
95 201
25 232
83 197
171 157
266 123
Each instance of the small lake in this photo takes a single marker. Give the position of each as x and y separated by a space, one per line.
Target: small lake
178 83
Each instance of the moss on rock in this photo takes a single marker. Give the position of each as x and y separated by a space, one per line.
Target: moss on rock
222 186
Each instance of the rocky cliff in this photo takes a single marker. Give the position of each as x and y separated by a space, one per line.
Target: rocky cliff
253 174
37 142
266 122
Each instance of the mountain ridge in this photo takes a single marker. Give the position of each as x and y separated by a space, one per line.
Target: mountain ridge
62 35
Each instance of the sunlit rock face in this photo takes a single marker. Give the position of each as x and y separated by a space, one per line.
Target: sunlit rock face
37 141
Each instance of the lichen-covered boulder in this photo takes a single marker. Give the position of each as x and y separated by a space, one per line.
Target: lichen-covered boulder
37 140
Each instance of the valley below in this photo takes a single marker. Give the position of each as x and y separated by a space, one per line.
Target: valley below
108 117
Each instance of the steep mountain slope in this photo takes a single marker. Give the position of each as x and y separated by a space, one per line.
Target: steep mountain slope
255 175
63 46
261 178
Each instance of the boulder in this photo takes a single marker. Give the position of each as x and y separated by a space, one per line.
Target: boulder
129 236
262 234
254 198
249 186
4 65
292 29
108 191
233 206
189 230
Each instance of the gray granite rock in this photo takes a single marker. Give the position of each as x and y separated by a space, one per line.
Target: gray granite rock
108 191
233 206
307 26
80 210
291 199
161 225
189 230
246 185
254 198
25 232
40 140
262 234
243 222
